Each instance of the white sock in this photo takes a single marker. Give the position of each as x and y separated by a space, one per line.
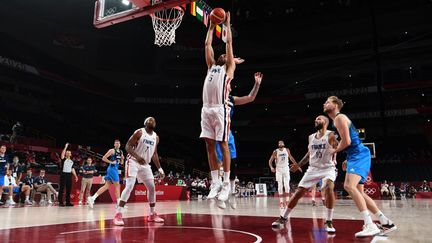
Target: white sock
286 212
382 218
329 214
27 198
366 217
232 187
118 201
152 210
280 200
215 175
226 176
95 196
120 209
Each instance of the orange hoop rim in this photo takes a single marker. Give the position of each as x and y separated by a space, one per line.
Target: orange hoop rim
180 9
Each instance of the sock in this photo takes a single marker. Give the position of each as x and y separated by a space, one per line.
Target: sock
226 176
286 212
95 196
280 201
27 198
120 209
329 214
366 217
215 175
382 218
118 201
287 198
152 210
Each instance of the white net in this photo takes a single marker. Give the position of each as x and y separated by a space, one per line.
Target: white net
165 23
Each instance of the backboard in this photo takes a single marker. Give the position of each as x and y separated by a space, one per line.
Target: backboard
110 12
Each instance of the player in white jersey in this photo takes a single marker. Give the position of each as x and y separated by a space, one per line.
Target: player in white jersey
215 113
282 156
142 149
322 166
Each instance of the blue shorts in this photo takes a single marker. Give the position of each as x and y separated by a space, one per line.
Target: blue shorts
231 147
15 190
359 162
112 174
2 180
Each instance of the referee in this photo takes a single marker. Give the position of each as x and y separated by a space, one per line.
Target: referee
66 176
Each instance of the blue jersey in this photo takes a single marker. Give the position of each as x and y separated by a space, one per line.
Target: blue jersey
3 164
358 155
112 171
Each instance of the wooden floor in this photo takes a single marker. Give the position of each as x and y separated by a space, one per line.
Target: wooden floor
203 221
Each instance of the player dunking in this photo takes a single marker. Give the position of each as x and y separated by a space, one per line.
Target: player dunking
358 166
282 156
215 113
142 149
322 166
114 157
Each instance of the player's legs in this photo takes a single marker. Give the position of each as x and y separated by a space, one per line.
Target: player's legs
386 224
286 182
214 168
300 192
313 194
226 160
91 199
327 189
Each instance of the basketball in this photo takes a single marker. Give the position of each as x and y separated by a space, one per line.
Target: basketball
217 16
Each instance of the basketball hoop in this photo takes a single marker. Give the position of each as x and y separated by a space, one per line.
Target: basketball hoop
165 23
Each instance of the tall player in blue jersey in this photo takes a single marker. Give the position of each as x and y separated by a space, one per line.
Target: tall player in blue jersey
235 101
358 166
114 157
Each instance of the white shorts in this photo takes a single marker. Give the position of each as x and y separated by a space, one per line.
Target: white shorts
215 123
314 175
282 175
141 172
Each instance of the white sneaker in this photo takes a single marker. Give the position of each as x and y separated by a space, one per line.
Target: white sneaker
221 204
90 201
214 189
329 227
80 203
368 230
28 202
11 202
225 192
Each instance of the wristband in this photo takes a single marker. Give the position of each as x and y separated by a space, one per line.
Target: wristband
161 170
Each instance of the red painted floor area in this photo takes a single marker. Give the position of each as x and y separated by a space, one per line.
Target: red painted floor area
188 228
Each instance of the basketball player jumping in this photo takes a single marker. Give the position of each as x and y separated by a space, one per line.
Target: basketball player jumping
282 156
358 166
142 149
113 157
237 100
215 113
322 166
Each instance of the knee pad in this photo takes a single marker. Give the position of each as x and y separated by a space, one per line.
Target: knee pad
151 191
130 183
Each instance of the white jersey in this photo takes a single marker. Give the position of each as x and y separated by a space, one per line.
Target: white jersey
215 90
319 151
282 159
146 146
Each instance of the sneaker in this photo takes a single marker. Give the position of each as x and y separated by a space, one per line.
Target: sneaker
233 202
28 202
155 218
214 190
313 203
329 227
1 203
90 201
118 219
50 203
387 228
368 230
225 192
221 204
80 203
11 202
280 222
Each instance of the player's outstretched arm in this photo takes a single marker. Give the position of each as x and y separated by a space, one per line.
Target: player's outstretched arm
252 95
230 62
209 53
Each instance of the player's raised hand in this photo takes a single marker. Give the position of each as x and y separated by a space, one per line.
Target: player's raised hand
258 77
228 19
238 60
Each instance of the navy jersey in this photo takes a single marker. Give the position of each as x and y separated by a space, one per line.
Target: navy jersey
3 164
116 157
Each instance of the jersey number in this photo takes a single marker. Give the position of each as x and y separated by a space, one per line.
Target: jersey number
319 154
147 148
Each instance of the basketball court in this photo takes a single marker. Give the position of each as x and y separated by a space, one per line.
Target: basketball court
187 221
